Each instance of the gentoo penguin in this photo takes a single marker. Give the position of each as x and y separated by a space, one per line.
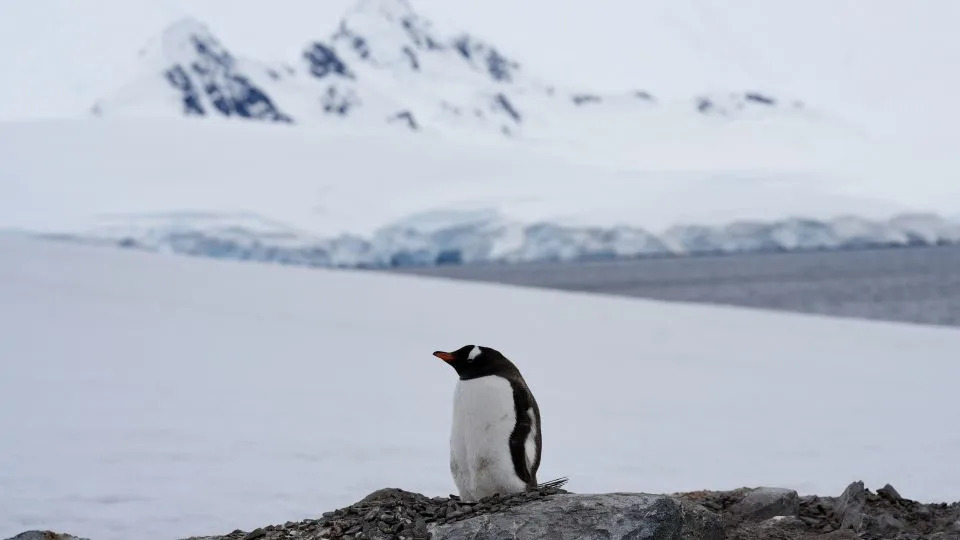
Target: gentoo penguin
495 438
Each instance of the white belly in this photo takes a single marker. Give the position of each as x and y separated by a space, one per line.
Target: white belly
483 418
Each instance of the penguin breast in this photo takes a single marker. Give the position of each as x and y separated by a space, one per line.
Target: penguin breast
484 416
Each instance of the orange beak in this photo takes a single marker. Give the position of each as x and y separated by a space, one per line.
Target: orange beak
445 356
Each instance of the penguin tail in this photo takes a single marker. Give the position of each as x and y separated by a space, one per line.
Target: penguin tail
556 483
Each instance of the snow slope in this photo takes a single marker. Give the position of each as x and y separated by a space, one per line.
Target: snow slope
719 134
678 67
229 188
386 66
887 69
159 397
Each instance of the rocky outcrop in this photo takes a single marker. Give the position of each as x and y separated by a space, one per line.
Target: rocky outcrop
209 78
741 514
44 535
858 513
569 516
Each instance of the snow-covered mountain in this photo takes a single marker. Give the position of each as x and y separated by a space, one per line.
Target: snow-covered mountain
199 77
853 71
384 63
325 128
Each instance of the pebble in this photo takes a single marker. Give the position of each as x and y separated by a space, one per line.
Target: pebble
391 514
394 514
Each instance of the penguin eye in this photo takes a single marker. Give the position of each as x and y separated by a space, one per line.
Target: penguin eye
475 353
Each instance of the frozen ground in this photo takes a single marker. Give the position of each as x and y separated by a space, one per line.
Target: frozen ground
153 397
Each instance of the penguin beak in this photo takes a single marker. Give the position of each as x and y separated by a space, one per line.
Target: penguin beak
445 356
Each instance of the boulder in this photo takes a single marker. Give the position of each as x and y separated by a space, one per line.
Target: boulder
582 516
44 535
766 502
761 513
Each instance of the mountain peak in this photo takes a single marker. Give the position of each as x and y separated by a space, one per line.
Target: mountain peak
385 63
200 73
208 76
388 9
180 39
387 33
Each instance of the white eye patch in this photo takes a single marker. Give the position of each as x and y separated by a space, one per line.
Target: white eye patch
474 353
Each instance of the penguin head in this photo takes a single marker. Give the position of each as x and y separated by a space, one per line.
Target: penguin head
472 361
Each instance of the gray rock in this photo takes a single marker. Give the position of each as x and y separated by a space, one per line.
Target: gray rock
888 524
255 534
738 514
889 493
767 502
850 506
775 528
784 523
575 516
44 535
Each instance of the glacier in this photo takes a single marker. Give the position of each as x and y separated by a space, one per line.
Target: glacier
449 237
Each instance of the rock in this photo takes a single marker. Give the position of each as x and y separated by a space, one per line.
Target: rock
889 493
574 516
741 514
781 528
850 506
44 535
254 534
782 523
887 525
698 522
767 502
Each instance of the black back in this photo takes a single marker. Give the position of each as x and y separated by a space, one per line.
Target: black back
488 362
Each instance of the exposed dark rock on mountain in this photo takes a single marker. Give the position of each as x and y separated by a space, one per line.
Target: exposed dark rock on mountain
210 79
380 57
